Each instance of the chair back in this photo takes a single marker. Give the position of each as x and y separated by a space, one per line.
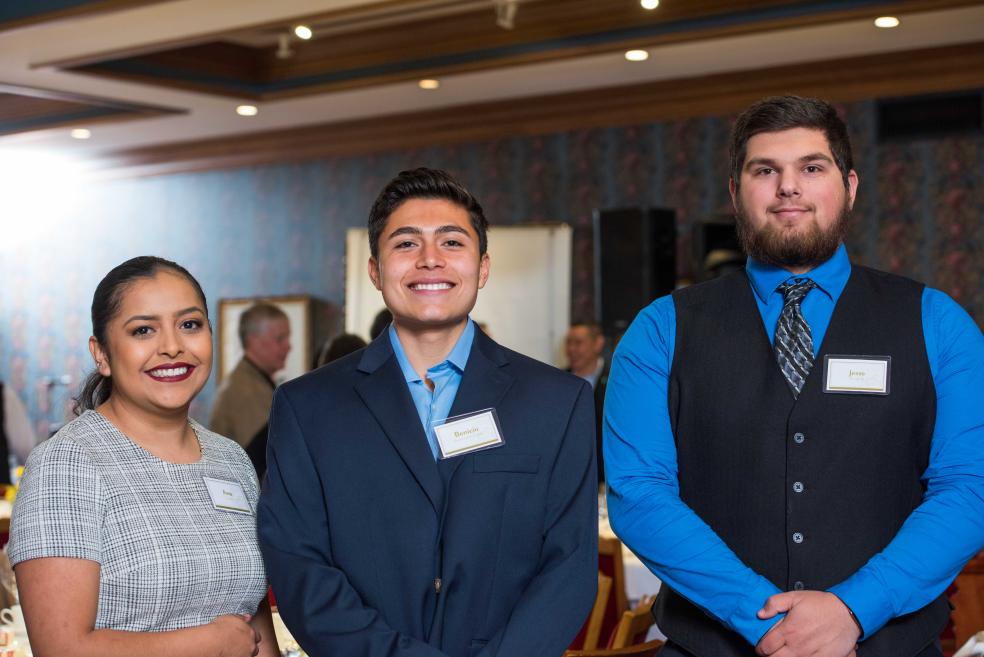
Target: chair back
610 563
592 629
634 626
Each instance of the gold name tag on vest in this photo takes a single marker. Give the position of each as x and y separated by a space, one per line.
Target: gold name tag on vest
857 375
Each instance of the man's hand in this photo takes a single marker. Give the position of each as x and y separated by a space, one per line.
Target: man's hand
817 624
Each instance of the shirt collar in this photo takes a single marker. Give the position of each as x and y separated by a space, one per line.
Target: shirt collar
457 357
831 276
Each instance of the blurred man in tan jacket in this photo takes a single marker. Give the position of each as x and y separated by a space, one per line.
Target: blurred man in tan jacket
242 404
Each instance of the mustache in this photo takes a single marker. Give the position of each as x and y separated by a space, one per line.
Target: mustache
770 245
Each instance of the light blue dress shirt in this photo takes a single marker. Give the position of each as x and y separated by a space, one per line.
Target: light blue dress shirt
644 502
446 376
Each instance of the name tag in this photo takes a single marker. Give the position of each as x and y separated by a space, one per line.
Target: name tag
467 433
227 496
867 375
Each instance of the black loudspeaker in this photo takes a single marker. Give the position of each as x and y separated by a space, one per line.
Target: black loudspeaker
939 115
635 262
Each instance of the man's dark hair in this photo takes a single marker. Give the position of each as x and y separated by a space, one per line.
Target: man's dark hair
594 329
784 113
424 183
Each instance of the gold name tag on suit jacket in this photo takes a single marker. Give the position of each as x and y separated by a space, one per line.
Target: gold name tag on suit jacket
469 432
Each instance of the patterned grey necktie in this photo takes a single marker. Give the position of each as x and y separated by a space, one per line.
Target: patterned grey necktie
794 341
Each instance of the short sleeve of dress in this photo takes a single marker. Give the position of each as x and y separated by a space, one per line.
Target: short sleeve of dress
59 507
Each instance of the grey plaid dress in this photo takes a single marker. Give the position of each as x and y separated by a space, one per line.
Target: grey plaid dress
168 559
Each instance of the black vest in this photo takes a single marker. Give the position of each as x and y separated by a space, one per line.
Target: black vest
804 491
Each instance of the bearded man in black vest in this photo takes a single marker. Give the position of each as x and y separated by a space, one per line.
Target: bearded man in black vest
794 449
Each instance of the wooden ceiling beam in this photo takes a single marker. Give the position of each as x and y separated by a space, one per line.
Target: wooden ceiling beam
843 80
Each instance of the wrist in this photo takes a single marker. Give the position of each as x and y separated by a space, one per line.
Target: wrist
854 618
209 640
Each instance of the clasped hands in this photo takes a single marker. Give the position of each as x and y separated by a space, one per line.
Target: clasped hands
817 624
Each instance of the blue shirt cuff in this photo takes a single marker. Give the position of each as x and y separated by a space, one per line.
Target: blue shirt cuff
871 610
745 621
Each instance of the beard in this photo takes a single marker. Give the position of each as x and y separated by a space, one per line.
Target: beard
777 247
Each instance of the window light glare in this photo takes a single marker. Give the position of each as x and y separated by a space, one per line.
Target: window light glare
636 55
247 110
303 32
80 133
886 21
429 84
649 4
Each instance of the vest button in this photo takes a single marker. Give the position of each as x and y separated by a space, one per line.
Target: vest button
798 487
798 586
799 438
797 537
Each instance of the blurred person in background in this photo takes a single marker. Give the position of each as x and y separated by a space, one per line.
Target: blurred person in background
585 346
242 402
340 345
17 437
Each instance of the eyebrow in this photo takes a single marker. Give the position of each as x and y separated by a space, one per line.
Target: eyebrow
767 161
154 318
440 230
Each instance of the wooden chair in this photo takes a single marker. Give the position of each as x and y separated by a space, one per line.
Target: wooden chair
593 626
610 563
634 626
968 601
648 649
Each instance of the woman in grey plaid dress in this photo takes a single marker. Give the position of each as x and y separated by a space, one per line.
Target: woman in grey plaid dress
133 532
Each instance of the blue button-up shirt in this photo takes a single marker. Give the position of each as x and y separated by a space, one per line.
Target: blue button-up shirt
433 406
644 502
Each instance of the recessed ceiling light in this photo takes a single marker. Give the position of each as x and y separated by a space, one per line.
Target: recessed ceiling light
247 110
303 32
649 4
636 55
429 84
886 21
80 133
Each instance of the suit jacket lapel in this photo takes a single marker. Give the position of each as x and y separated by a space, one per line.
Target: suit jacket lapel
385 393
483 384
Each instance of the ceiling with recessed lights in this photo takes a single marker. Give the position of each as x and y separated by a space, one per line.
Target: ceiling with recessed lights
145 73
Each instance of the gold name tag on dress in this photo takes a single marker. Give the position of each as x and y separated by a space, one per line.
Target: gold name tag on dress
857 375
469 432
227 496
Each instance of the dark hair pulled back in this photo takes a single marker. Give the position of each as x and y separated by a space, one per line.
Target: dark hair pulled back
106 301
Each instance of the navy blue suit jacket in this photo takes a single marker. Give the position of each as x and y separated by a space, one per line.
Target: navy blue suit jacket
357 522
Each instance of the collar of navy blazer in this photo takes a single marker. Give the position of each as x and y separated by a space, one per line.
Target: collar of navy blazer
484 384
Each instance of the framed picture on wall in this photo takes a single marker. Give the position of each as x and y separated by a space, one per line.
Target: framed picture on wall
299 311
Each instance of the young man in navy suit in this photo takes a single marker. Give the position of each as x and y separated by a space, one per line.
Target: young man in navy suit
433 494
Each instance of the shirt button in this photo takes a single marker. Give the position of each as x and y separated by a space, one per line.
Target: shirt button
798 487
797 537
798 586
799 438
